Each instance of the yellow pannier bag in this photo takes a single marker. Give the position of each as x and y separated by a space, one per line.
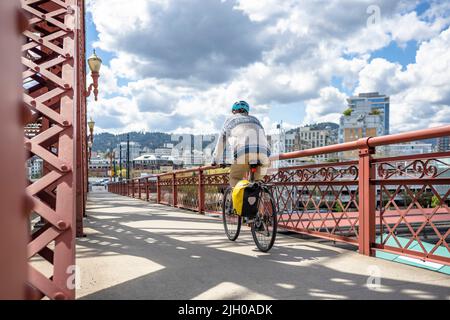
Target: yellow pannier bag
245 198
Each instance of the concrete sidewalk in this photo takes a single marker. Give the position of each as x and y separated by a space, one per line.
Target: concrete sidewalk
137 250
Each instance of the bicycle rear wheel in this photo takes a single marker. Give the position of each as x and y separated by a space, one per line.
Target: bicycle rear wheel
231 221
264 227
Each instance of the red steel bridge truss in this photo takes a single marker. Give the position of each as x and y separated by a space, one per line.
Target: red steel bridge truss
45 46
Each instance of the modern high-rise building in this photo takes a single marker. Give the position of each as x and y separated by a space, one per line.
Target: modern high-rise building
375 101
367 116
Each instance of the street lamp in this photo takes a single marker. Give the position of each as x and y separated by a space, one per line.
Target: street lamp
113 165
91 124
94 63
90 149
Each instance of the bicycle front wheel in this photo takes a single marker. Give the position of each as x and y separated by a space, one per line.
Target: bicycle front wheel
231 221
264 227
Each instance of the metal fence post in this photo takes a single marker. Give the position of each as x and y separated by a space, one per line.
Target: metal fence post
147 195
139 188
366 198
174 189
158 190
201 192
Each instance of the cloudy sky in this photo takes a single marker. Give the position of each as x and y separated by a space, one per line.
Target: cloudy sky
178 65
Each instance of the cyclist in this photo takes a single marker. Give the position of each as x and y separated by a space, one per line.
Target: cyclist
242 142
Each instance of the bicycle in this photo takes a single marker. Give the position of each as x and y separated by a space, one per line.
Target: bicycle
263 226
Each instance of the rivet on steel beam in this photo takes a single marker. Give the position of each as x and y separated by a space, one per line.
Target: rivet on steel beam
37 69
66 86
68 55
64 168
33 102
28 145
43 16
40 40
66 123
62 225
59 296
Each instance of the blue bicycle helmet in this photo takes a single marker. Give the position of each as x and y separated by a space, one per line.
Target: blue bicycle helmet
241 105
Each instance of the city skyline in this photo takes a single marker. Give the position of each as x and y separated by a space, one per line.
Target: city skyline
299 64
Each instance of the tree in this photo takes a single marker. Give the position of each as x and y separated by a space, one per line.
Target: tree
348 112
435 202
337 207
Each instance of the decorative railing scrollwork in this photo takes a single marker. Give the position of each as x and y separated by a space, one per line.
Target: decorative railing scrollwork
417 169
319 174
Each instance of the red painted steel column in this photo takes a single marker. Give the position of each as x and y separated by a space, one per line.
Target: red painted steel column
158 190
13 204
201 192
79 128
366 199
174 189
53 97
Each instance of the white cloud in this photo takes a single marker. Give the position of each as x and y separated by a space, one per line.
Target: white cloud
327 108
186 62
420 94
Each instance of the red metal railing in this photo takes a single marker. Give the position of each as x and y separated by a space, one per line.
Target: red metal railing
395 204
195 189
